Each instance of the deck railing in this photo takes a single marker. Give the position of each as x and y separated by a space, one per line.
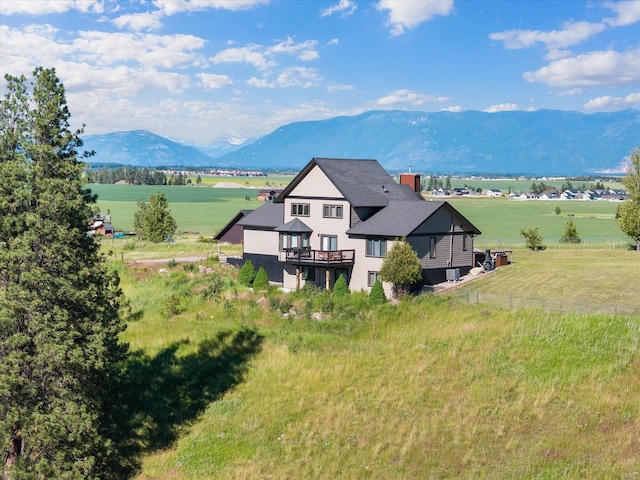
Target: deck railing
320 257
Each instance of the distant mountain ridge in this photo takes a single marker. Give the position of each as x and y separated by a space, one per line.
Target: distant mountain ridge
542 142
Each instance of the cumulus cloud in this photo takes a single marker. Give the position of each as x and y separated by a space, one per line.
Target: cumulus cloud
140 21
627 13
289 77
337 88
344 8
303 51
456 109
45 7
408 14
502 107
603 68
213 81
262 57
613 103
409 97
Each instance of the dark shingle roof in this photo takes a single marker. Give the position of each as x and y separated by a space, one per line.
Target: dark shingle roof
269 215
294 226
364 183
401 218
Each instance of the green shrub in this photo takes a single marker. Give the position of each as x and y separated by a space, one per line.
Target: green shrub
189 267
247 274
261 280
377 295
172 306
570 234
341 288
532 238
172 263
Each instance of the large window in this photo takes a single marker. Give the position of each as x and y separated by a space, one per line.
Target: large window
329 243
432 247
300 209
376 247
309 273
372 277
294 240
332 211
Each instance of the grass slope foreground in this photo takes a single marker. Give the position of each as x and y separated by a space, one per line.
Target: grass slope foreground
264 385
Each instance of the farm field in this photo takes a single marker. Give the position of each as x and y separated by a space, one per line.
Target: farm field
206 210
428 388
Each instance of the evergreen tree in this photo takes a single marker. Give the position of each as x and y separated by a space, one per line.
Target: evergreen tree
59 322
401 268
377 296
628 212
341 288
247 273
153 221
570 234
261 280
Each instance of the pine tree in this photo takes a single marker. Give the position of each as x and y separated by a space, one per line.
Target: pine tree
247 273
59 322
153 221
341 288
570 234
261 280
377 296
401 268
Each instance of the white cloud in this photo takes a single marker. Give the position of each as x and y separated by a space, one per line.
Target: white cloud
140 21
251 54
289 77
627 13
171 7
44 7
212 81
603 68
455 109
572 33
411 13
502 107
304 51
345 8
613 103
409 97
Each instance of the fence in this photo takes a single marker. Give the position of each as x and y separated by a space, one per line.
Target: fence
546 304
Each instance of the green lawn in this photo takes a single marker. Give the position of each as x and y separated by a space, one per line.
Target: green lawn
229 388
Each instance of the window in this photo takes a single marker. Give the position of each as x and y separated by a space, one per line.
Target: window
464 242
432 247
329 243
376 247
372 277
300 209
332 211
294 240
309 273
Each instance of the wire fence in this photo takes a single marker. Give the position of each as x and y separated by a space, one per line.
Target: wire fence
605 243
546 304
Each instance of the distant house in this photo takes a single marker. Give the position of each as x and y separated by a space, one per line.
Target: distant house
103 228
549 194
341 217
268 195
493 192
232 232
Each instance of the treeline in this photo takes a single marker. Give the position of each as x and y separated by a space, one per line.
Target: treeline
137 176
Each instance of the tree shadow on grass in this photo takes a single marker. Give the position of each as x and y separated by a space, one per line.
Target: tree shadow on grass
159 397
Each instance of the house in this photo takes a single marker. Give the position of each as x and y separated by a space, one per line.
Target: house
341 217
266 195
493 192
232 232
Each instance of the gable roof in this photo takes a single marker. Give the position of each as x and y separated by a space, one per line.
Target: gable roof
363 183
231 223
269 215
401 218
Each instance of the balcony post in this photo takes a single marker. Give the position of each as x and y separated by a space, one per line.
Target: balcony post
327 277
297 277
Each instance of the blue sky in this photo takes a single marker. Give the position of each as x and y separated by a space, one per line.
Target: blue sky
198 69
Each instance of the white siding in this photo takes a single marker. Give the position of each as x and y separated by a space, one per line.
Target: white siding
316 184
261 242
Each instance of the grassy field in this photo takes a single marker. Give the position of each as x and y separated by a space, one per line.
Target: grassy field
206 210
428 388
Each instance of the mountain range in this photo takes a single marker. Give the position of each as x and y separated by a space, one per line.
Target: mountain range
542 142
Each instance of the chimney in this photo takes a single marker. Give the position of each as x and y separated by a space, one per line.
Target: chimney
411 179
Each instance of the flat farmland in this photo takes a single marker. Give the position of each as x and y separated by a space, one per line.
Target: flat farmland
206 209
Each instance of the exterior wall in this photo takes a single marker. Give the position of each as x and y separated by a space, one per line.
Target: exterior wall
262 242
270 263
233 235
